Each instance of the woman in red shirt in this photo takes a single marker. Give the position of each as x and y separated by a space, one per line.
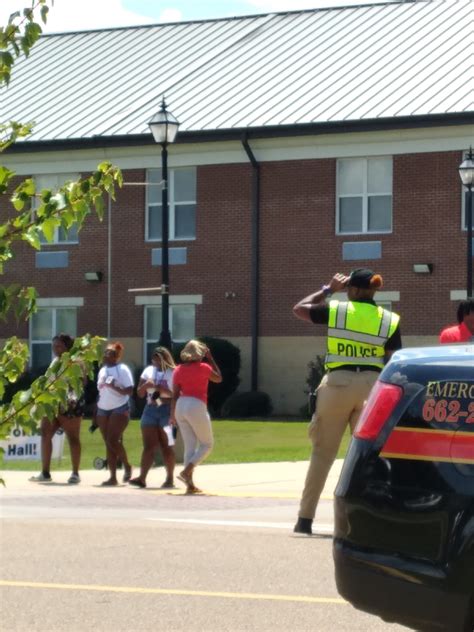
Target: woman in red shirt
189 406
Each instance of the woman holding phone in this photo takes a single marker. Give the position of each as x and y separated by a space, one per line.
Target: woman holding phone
156 384
115 385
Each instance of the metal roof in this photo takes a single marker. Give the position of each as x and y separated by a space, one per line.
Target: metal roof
321 66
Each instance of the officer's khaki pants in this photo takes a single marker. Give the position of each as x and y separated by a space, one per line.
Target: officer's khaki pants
341 396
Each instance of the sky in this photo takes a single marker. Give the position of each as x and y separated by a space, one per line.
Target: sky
78 15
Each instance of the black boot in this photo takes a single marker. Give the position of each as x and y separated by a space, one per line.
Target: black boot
303 525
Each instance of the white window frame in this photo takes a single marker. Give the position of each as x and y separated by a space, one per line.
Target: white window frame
56 181
365 199
54 305
171 207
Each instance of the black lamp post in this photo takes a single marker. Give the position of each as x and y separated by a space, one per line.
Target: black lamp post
466 172
164 128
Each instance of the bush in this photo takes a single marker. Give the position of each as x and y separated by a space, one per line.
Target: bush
137 403
22 384
227 357
248 404
316 371
29 376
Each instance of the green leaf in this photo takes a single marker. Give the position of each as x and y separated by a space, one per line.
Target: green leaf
25 396
48 227
45 195
18 203
85 186
32 237
44 13
81 208
29 187
99 206
6 58
5 175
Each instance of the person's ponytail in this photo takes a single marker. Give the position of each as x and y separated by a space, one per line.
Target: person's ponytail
376 282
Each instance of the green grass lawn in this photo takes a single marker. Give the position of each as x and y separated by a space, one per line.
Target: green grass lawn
235 442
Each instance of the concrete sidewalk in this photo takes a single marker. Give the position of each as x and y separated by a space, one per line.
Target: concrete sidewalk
269 480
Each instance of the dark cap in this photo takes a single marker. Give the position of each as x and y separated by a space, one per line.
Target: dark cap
360 277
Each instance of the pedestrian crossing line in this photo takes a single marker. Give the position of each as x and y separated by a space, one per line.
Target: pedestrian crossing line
319 527
236 494
172 592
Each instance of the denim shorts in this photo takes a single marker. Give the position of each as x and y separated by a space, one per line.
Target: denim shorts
156 416
124 408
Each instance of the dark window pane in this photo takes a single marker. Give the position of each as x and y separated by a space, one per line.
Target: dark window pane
154 222
149 350
185 185
379 175
153 323
185 221
71 235
42 325
183 322
41 355
154 191
380 213
66 321
350 215
350 175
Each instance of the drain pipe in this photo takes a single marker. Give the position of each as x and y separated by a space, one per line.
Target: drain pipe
255 263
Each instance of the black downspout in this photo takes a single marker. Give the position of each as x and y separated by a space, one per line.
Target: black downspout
255 262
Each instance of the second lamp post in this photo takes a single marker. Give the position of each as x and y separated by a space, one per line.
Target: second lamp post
164 128
466 171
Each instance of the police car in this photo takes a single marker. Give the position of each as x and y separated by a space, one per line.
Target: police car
404 505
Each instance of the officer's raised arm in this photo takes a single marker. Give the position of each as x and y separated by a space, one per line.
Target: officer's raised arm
302 309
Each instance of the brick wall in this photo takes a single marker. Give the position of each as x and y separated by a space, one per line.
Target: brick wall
299 249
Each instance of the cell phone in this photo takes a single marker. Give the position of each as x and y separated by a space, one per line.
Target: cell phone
109 379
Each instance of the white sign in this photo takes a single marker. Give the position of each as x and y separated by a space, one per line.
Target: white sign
28 447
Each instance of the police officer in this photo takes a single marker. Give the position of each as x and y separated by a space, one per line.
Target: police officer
361 338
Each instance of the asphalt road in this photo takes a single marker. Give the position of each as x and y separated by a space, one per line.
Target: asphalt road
119 560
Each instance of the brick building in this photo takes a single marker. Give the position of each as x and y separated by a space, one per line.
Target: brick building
311 142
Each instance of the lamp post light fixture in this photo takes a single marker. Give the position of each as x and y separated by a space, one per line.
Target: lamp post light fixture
164 128
466 172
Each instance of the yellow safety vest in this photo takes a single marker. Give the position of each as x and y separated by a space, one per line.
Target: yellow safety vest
357 333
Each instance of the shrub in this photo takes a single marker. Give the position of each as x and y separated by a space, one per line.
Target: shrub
227 357
316 371
137 403
29 376
247 404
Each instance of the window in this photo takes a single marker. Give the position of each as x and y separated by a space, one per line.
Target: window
53 182
364 195
182 204
182 325
44 324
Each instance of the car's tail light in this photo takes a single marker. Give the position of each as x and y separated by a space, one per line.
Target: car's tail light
382 400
